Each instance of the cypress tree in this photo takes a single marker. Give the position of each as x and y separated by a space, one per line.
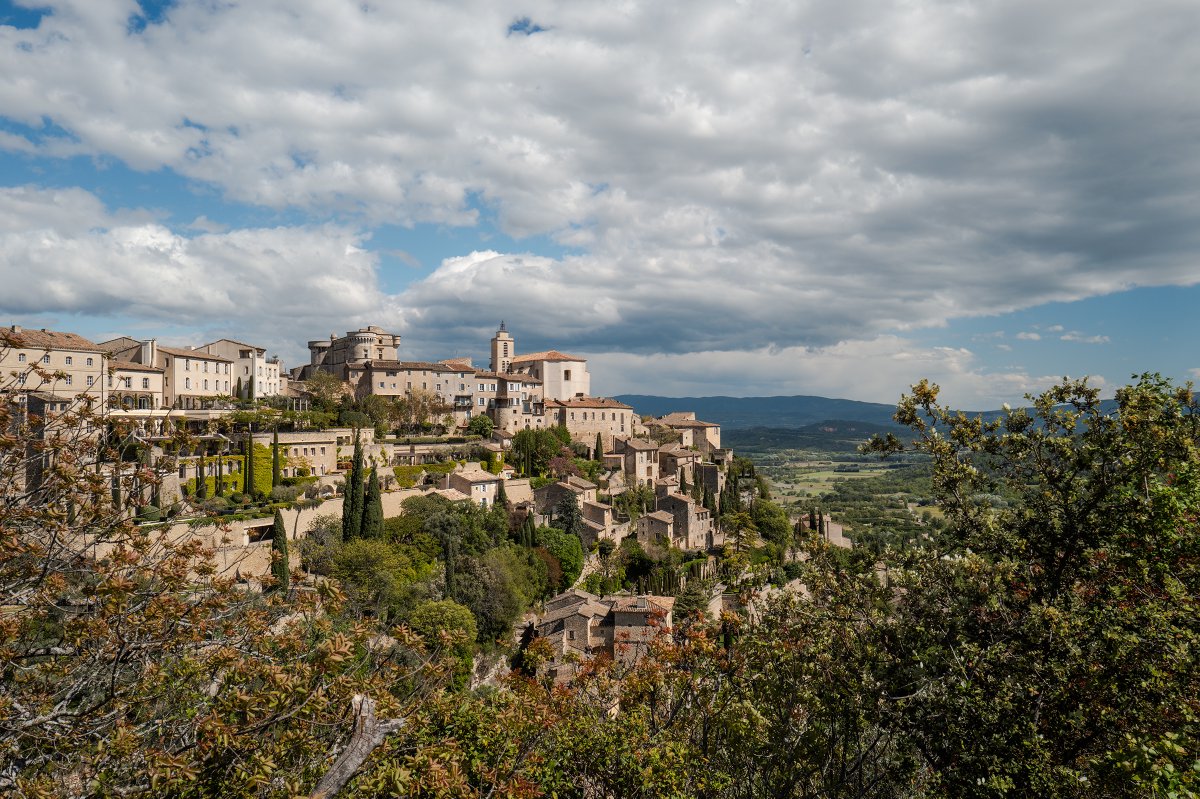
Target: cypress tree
248 478
599 447
502 496
201 481
372 519
352 508
280 569
812 519
220 481
237 389
276 471
684 488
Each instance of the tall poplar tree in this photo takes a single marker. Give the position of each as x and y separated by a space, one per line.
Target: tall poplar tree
248 477
352 508
280 568
372 516
201 482
276 470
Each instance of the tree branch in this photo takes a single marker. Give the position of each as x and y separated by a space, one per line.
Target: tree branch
369 733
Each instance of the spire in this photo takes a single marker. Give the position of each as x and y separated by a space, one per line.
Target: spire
502 325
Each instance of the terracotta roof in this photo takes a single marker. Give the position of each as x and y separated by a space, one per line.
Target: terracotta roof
547 355
200 355
589 402
579 482
644 603
129 366
637 443
684 423
412 366
233 341
661 515
50 340
512 377
477 476
458 363
452 494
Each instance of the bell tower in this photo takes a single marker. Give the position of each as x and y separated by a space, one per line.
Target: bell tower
503 350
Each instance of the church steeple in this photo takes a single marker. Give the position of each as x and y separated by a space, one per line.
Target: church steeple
503 350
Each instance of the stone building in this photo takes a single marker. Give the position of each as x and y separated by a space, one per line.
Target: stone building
53 363
338 355
254 374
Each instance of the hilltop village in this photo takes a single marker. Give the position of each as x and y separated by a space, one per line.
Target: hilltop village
246 453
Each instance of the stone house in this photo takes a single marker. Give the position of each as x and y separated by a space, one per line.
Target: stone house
71 364
581 626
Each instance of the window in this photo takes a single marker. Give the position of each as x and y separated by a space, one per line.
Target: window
322 450
89 361
481 402
128 381
381 384
46 358
187 382
70 360
482 387
566 374
206 385
145 382
91 380
67 380
187 365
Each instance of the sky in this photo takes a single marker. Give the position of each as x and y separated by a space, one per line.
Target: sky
741 198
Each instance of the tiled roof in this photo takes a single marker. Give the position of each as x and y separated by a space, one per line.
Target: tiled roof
129 366
233 341
579 482
200 355
512 377
547 355
685 423
660 515
637 443
410 366
462 364
645 603
51 340
589 402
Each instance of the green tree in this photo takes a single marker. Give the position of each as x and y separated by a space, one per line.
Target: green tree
598 450
447 618
1047 644
354 495
201 479
372 519
567 549
280 566
276 471
481 425
567 515
248 481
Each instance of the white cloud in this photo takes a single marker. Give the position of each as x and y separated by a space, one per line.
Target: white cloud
1055 329
1082 338
250 281
875 175
1028 335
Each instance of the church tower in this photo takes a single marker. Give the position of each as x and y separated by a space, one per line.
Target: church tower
503 350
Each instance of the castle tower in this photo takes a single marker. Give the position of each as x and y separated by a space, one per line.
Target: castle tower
503 350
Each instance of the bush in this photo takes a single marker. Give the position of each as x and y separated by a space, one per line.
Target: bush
150 513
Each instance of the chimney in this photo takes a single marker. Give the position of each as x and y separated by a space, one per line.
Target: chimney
16 328
149 352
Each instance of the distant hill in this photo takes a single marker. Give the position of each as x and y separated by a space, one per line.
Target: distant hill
832 436
742 412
